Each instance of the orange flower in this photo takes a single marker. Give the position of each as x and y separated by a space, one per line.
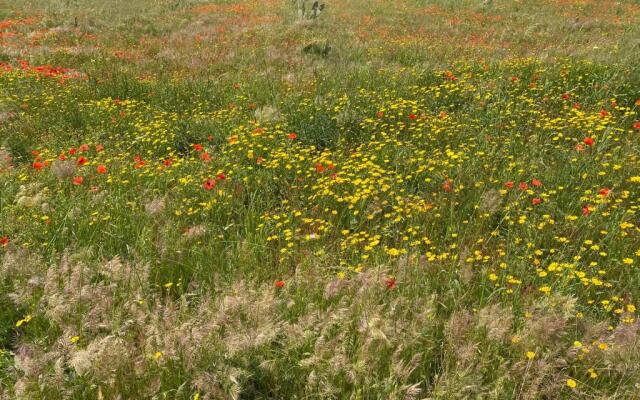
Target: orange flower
279 284
101 169
78 180
4 240
292 135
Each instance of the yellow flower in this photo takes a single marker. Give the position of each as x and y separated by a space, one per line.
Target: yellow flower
531 355
571 383
74 339
23 321
393 252
628 261
157 355
577 344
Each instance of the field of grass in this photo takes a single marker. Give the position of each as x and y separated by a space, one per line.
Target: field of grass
393 199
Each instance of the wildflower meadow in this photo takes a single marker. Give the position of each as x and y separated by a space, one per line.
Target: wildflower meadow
289 199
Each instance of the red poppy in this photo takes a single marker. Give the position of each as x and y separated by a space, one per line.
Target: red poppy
604 192
535 201
331 166
37 165
78 180
577 106
62 157
99 148
205 156
412 116
603 113
446 186
319 168
380 114
209 184
588 141
390 283
536 183
72 151
4 240
579 147
334 175
167 162
259 160
210 137
279 284
523 186
82 160
509 184
83 148
101 169
197 147
565 96
292 135
35 153
636 125
221 176
586 211
514 79
139 162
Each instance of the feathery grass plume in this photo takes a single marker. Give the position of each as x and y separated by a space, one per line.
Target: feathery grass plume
6 161
31 195
497 321
155 206
63 169
26 271
490 201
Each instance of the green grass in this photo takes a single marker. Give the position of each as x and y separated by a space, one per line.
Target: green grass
434 200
